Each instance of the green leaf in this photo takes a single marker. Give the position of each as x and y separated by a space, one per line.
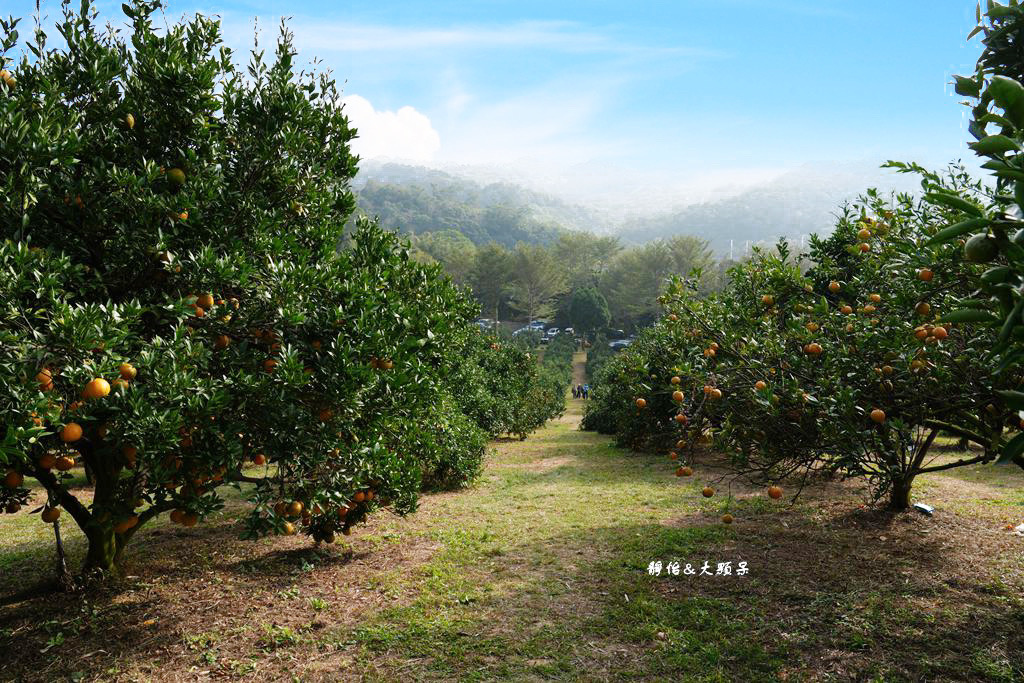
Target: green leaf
996 275
968 315
954 202
1009 96
968 87
957 229
1011 450
994 144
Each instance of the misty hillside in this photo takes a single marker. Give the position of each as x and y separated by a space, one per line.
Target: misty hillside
416 200
794 206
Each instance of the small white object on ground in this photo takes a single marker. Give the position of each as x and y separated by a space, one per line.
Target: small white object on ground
926 509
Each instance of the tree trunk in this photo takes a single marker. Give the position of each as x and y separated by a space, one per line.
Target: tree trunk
899 495
103 550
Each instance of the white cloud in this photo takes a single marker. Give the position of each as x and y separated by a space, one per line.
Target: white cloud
404 134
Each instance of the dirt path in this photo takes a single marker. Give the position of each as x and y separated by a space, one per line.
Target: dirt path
539 571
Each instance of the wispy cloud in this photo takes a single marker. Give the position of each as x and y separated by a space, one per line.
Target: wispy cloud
556 36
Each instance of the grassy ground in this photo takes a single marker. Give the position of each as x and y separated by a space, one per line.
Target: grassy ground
540 572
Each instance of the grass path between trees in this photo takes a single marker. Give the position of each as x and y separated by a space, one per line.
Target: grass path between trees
539 571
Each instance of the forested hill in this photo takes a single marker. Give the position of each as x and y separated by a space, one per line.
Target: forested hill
419 200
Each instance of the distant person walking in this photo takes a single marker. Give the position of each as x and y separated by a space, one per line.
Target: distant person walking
575 394
579 391
586 391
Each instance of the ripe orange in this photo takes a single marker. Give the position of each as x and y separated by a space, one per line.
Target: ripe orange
863 233
812 327
768 300
849 328
869 309
200 312
343 510
50 515
294 509
923 308
97 388
641 403
259 459
672 455
727 518
775 492
864 247
921 333
673 317
833 287
846 309
289 529
325 414
676 380
677 396
713 346
369 495
878 415
359 497
684 471
221 342
680 444
126 524
875 297
177 516
47 461
72 432
317 344
387 364
13 479
280 508
64 463
127 371
190 519
681 419
760 384
814 348
925 274
205 300
708 492
269 364
45 379
716 393
940 333
710 353
887 370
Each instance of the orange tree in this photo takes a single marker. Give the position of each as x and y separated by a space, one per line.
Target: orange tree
993 232
181 308
845 367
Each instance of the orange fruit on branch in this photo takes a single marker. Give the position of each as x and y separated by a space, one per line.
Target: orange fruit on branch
127 371
878 415
760 384
775 492
707 492
641 403
834 286
677 396
72 432
13 480
684 471
50 515
925 274
97 388
205 300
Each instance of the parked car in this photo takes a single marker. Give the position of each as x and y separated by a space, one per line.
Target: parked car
537 325
552 332
620 343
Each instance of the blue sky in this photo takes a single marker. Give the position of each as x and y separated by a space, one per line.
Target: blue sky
685 90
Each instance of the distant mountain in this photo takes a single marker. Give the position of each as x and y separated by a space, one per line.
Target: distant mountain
416 200
794 206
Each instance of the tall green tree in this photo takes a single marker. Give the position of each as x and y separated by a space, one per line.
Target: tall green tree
588 311
490 277
585 256
538 277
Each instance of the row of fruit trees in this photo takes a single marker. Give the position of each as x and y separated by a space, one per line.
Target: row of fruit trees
853 358
182 308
